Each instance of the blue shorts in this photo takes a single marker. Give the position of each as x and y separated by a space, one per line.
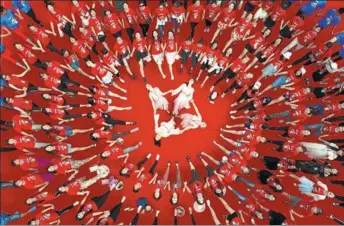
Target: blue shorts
269 70
7 218
69 148
75 65
341 53
280 81
340 38
68 131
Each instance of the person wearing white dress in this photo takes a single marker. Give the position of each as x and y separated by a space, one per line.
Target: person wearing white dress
165 129
157 98
319 151
185 92
191 121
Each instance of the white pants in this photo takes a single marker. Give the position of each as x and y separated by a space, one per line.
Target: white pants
158 58
291 45
108 78
171 57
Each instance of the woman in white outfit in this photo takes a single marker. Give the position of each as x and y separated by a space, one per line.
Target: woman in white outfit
165 129
157 98
185 92
192 121
319 151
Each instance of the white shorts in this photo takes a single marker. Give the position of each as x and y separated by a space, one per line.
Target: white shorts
260 14
171 57
108 78
158 58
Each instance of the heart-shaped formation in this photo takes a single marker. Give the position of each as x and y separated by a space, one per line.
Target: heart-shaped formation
184 100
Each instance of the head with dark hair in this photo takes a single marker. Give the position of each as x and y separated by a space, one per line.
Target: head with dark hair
50 6
50 149
200 41
11 141
2 9
317 211
91 101
65 52
14 162
170 34
33 221
108 12
174 198
214 44
340 10
157 140
157 194
93 12
259 214
155 35
105 51
328 45
265 126
92 89
94 136
137 187
266 100
32 27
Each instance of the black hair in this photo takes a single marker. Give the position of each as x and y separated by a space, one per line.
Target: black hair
54 171
302 17
172 198
157 198
125 3
104 51
51 152
89 115
92 137
102 157
92 89
136 190
340 10
319 212
63 51
213 43
7 99
30 25
123 174
1 9
157 142
201 41
189 38
30 221
265 126
267 100
199 202
91 100
44 111
13 163
328 44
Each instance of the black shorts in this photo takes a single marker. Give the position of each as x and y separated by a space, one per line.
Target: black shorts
249 48
210 171
214 72
101 38
205 65
185 56
269 23
120 58
285 4
230 217
247 124
249 7
117 34
260 57
141 55
88 58
286 32
229 73
286 96
31 87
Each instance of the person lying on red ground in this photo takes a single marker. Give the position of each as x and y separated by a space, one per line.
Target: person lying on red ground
30 182
103 105
149 177
116 153
162 183
31 163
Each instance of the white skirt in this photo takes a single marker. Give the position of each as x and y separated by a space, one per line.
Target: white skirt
190 120
108 78
171 57
161 103
158 58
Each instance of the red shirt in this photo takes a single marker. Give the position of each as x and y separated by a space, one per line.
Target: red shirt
156 48
237 65
296 132
215 183
196 13
243 27
322 52
278 14
332 107
41 36
98 119
61 148
47 217
58 17
96 24
197 187
251 207
187 47
268 5
297 94
81 49
144 177
299 114
140 45
258 41
176 12
114 152
131 167
246 151
297 22
101 92
70 59
230 175
74 187
80 10
112 22
99 70
269 50
236 161
57 131
161 14
18 82
223 60
55 69
128 18
143 15
198 49
227 16
56 112
27 54
21 123
318 190
212 12
104 134
213 53
100 105
305 209
242 81
89 206
329 129
88 37
261 192
307 37
171 45
62 166
122 48
28 162
31 181
44 197
52 82
22 103
290 147
109 58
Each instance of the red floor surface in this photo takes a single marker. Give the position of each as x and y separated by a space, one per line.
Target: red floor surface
173 148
